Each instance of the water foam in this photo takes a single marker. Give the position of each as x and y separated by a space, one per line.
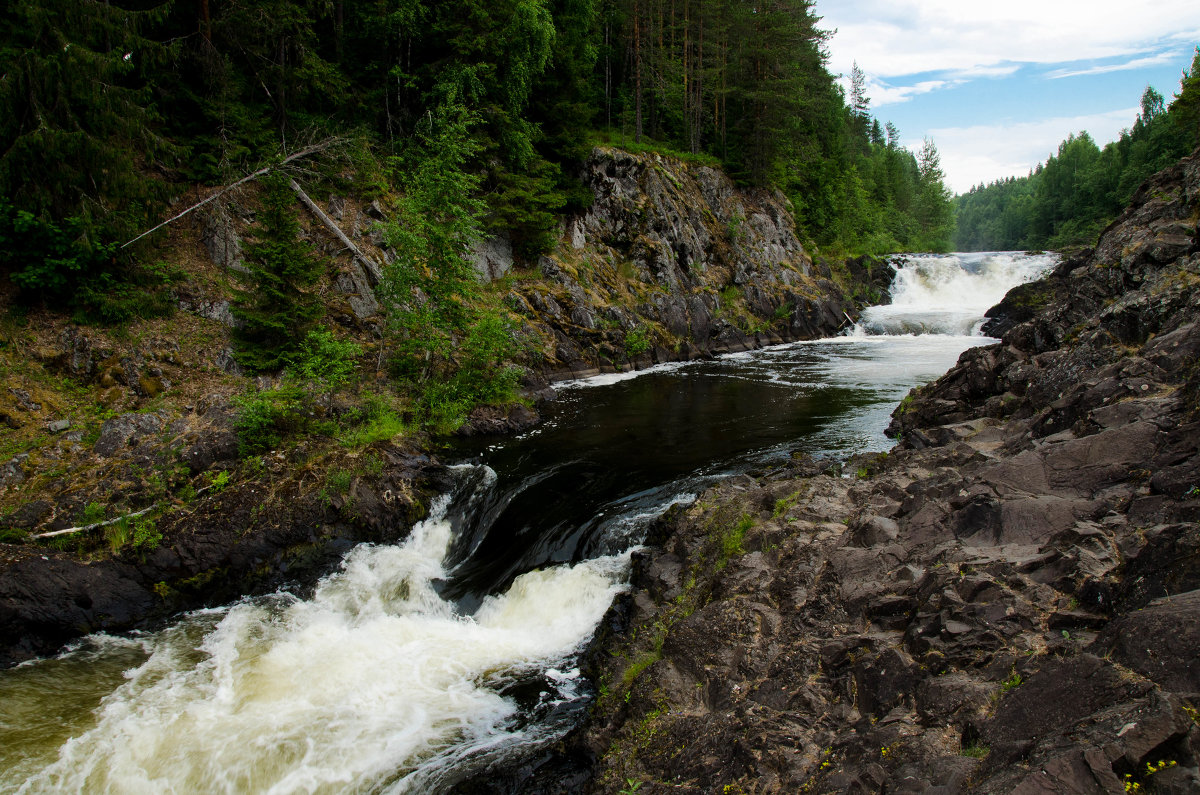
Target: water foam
949 294
355 689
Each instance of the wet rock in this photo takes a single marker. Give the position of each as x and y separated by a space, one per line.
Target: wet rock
497 420
1008 602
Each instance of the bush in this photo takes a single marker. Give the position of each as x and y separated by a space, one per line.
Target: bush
637 342
140 293
326 360
266 418
45 258
376 421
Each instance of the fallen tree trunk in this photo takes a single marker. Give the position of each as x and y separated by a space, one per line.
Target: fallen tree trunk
303 153
370 267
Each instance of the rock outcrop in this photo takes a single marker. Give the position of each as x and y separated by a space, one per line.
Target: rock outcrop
673 262
1007 602
286 527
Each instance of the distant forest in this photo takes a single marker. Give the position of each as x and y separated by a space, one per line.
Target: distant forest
109 110
1068 200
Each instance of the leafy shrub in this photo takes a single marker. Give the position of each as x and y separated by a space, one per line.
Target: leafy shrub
266 418
46 258
141 292
326 360
376 421
637 342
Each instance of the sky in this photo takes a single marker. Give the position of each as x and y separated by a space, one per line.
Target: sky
997 85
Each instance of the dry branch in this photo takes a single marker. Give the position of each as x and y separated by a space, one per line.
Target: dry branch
307 151
371 268
98 525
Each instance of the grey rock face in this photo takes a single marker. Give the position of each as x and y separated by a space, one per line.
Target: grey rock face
492 258
221 240
125 431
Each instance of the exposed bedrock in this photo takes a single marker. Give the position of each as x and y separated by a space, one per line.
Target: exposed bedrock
1007 602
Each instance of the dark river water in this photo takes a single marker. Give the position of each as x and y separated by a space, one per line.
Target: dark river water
415 665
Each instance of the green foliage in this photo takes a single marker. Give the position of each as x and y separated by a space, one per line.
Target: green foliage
276 313
266 418
136 292
1068 200
450 340
93 513
13 535
338 480
376 420
327 361
219 481
637 342
733 537
139 532
43 257
78 117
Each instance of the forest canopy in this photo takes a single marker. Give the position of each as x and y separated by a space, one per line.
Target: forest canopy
1070 198
109 108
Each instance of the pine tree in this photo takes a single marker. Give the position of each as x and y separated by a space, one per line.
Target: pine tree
934 211
78 114
276 313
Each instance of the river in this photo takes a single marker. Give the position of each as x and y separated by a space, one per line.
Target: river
415 666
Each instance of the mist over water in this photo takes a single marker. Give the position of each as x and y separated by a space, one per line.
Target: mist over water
416 665
949 294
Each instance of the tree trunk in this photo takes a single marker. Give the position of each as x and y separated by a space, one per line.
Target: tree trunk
637 71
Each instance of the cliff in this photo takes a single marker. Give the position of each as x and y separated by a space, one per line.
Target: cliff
1007 602
140 421
672 262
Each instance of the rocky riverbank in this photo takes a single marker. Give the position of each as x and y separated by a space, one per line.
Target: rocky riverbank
139 422
1007 602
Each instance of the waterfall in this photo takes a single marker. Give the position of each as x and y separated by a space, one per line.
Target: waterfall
375 683
949 294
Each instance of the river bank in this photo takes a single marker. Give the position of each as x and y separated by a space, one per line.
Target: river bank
672 262
1005 603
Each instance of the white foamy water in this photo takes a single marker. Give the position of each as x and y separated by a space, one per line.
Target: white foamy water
375 684
378 684
948 294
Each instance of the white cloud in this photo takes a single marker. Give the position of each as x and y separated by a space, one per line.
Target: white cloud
891 38
882 93
983 153
1136 63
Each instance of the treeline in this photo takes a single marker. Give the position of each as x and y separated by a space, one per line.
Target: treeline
1071 198
109 107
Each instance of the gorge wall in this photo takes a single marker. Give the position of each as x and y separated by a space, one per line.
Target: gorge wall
670 262
1007 602
673 262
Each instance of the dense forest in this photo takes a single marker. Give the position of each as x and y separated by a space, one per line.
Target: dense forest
1070 198
112 109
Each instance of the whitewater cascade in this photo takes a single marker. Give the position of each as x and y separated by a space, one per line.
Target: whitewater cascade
948 294
416 666
375 683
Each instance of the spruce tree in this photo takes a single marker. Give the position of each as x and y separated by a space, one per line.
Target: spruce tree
276 313
78 115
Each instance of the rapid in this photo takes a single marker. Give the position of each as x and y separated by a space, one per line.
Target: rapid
416 666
